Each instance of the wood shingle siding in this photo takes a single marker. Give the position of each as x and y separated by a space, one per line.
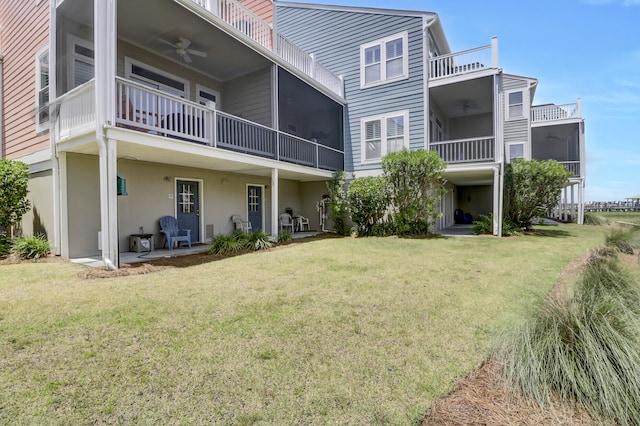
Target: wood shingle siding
335 36
19 17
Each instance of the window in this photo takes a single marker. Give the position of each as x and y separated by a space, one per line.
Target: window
81 61
383 134
152 77
515 150
516 104
384 61
204 95
186 198
42 89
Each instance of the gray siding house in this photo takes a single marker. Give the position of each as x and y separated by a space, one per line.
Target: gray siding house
405 88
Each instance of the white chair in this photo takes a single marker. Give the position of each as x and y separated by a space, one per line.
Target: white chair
302 221
241 225
286 221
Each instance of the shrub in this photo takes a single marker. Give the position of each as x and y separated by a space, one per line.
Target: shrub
622 239
228 244
532 189
368 202
415 184
14 179
5 245
586 348
285 236
591 218
338 202
484 225
30 247
258 240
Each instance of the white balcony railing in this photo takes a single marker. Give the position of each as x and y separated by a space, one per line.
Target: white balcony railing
244 20
77 111
468 61
466 150
151 111
556 112
572 166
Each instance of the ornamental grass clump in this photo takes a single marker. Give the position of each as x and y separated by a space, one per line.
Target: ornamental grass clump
29 247
623 239
258 240
584 349
228 244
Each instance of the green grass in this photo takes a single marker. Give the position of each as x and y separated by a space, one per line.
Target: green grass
630 217
334 331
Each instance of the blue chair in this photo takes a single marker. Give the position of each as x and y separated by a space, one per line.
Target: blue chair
172 234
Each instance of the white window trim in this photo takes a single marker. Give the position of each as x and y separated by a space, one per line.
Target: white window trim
128 62
383 53
508 151
525 105
383 133
41 127
216 93
72 42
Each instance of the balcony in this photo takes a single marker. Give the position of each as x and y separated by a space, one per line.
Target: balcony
572 166
251 25
153 112
473 150
551 112
465 62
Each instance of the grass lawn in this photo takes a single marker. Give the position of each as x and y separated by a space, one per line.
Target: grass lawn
630 217
334 331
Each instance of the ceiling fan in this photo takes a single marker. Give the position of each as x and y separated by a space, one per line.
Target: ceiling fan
181 48
467 105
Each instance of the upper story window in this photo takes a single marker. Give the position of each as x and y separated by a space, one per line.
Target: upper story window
81 61
384 60
516 107
383 134
42 89
158 79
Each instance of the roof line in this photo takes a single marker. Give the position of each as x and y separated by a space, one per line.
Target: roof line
356 9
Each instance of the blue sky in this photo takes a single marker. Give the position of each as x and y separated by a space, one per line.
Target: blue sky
587 49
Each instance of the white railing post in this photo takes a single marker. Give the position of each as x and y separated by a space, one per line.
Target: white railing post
579 107
494 52
213 126
313 65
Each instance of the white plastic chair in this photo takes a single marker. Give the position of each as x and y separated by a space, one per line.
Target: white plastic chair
302 221
240 224
286 221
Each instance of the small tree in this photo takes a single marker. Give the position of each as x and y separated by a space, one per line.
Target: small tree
338 201
368 202
415 183
532 189
14 179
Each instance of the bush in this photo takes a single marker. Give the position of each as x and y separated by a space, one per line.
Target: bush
258 240
368 202
532 189
338 202
228 244
585 349
591 218
14 180
30 247
484 225
285 236
5 245
415 183
622 239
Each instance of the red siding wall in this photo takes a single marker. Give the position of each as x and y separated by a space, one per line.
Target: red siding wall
25 30
262 8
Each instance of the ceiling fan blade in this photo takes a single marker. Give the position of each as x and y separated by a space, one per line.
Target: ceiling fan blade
168 43
197 53
184 43
187 58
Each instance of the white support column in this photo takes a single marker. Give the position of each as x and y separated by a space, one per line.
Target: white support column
564 204
573 204
497 202
105 69
61 199
274 202
494 51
